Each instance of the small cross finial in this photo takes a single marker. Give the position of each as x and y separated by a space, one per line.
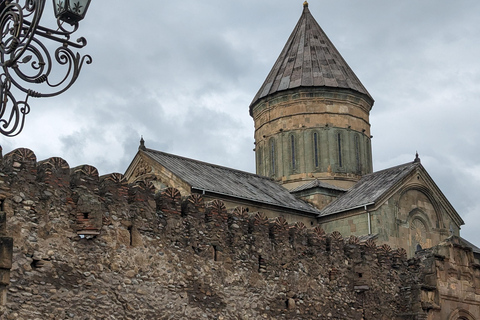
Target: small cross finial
417 159
305 4
142 144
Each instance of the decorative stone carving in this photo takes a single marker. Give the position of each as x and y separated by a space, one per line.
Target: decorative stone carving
385 249
55 165
371 243
142 168
260 218
319 232
281 223
196 200
299 227
117 178
336 235
240 212
353 240
21 156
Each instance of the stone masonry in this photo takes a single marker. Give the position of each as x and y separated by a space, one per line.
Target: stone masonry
90 247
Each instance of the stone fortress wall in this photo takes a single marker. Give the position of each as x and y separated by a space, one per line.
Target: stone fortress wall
90 247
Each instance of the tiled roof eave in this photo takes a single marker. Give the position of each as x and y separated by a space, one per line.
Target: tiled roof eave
258 100
290 208
347 209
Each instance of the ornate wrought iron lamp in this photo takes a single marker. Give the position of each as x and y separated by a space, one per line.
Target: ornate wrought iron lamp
26 63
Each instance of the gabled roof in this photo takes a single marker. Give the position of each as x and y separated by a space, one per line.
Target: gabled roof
370 188
309 59
316 184
215 179
465 242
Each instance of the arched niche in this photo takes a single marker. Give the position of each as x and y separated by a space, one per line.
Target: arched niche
461 314
419 197
420 231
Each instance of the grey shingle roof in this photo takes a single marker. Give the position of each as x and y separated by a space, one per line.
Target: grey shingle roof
369 189
309 59
229 182
316 184
475 249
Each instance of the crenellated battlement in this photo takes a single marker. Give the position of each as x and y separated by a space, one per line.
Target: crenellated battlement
91 197
82 241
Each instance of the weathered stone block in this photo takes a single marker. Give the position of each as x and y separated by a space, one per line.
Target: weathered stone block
6 252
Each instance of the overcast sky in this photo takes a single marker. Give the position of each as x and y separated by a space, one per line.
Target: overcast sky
183 73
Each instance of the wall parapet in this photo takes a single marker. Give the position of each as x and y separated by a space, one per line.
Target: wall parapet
122 247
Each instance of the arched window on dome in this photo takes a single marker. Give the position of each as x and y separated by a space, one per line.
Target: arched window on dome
358 163
315 150
259 153
368 153
272 157
293 152
339 150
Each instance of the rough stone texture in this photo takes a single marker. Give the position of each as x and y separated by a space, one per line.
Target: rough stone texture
167 257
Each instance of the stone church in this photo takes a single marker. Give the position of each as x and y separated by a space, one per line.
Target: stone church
314 157
314 234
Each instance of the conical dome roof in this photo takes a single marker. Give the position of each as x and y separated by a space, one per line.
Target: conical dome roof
309 59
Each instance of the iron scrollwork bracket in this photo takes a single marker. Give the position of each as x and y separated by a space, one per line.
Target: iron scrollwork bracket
26 62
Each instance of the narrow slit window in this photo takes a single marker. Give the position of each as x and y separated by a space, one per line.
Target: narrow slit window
130 232
315 148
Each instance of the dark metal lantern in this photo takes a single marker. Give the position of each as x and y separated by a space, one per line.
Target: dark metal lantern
30 67
70 11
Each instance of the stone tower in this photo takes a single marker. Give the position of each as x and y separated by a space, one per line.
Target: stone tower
312 114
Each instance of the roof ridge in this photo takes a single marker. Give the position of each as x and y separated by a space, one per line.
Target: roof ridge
316 183
381 181
413 164
220 180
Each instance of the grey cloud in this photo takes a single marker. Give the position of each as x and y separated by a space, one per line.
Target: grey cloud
182 74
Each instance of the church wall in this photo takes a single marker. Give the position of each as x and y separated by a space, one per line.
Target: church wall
410 219
154 175
451 282
355 224
319 199
269 211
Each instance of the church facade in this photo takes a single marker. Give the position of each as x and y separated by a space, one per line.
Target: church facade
314 234
314 157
